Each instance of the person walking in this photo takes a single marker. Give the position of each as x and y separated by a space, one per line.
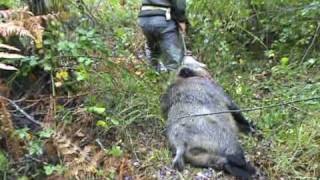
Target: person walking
162 22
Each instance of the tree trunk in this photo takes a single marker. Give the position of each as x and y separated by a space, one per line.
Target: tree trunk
37 7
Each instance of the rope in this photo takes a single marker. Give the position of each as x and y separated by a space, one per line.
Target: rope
254 108
185 50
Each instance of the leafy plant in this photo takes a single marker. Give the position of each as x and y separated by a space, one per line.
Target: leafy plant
35 147
104 95
232 29
23 23
50 169
3 162
46 133
115 151
5 55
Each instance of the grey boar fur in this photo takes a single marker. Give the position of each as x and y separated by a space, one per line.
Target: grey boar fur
203 141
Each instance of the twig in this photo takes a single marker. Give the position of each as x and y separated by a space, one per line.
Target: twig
65 56
44 98
26 107
254 36
100 144
133 149
29 117
97 5
52 85
252 109
84 9
37 160
312 42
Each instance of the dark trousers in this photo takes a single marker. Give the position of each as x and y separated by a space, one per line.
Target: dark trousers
163 38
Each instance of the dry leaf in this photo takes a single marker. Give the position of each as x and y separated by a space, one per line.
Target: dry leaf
14 28
5 46
7 67
138 73
10 56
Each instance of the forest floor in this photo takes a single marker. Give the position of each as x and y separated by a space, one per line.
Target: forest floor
106 122
288 136
287 143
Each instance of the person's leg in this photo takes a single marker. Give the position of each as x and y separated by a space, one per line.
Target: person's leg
152 48
152 51
171 45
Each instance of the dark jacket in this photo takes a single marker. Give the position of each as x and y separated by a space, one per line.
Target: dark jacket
178 8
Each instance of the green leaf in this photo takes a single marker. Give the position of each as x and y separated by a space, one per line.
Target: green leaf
3 162
284 61
35 148
81 59
115 122
97 110
101 123
47 67
62 45
47 133
80 76
23 178
88 62
22 133
115 151
49 169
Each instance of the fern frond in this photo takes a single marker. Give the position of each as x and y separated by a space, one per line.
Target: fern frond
7 67
79 161
15 14
8 47
48 17
23 23
14 28
7 132
10 56
33 24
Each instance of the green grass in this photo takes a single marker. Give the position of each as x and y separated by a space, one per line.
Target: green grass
291 132
290 143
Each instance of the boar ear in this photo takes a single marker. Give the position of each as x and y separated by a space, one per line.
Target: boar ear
186 73
191 61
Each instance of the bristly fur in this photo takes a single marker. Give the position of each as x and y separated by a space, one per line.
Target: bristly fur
204 141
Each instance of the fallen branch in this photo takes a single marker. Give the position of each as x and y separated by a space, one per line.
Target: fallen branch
100 144
316 34
29 117
46 98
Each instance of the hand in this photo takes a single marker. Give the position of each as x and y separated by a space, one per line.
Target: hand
182 27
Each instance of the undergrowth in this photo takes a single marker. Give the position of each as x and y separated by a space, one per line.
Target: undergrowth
290 142
97 100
